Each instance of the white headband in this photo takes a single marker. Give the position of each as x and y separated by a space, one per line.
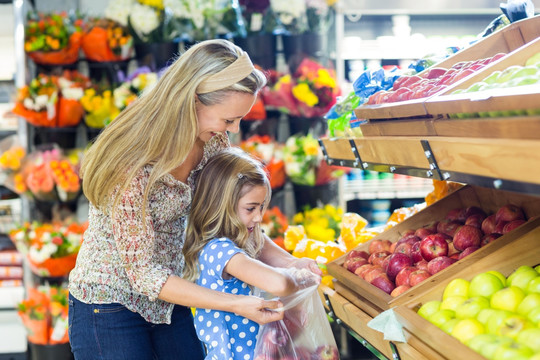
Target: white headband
232 74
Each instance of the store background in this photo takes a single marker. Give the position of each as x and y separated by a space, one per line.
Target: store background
369 34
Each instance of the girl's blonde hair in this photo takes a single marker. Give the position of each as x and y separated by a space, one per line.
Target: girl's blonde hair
160 128
226 178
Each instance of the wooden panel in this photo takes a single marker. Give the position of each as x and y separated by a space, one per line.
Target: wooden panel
505 128
371 299
501 99
496 158
523 251
393 151
399 128
407 108
339 149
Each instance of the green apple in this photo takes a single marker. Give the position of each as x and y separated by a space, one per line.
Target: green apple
534 286
530 338
530 302
491 79
534 316
484 314
526 71
507 298
456 287
448 326
508 73
480 341
513 351
521 268
466 329
485 285
533 59
537 268
499 275
452 302
441 316
489 350
429 308
522 278
476 87
471 307
495 320
513 325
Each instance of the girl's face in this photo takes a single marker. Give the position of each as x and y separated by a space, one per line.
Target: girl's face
250 207
225 116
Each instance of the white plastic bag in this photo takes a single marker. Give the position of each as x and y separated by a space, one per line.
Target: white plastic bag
303 334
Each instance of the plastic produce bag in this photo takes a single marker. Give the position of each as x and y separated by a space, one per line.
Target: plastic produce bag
303 334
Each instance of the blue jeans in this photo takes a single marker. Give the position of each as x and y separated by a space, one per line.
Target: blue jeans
112 332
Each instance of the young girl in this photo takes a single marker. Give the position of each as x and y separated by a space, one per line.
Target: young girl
223 241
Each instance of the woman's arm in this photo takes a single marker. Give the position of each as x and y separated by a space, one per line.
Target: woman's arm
182 292
279 282
275 256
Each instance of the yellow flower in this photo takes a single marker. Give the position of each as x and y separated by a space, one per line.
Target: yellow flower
304 94
311 147
298 218
157 4
324 79
286 79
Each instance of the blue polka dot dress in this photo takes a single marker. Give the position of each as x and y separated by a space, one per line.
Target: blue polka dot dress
227 335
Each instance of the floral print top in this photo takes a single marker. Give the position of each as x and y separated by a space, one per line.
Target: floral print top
123 261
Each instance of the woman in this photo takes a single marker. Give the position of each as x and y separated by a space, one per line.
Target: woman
127 297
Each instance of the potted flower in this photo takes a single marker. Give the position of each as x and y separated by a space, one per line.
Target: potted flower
52 39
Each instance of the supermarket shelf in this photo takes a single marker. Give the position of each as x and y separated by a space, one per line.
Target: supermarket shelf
404 188
506 164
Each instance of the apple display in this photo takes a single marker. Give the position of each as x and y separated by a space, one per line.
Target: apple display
468 251
402 277
416 277
489 224
509 212
466 329
439 263
378 245
378 257
429 308
361 271
352 264
404 248
433 246
511 225
456 287
485 284
396 262
373 273
467 236
471 307
452 302
507 298
384 283
521 279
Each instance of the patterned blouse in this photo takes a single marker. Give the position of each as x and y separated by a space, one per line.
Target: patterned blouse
121 261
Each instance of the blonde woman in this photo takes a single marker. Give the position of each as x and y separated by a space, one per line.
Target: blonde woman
127 297
222 248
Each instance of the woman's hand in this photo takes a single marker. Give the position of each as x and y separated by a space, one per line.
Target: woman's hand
306 263
259 310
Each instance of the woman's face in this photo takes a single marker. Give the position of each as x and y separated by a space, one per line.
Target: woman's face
225 116
250 207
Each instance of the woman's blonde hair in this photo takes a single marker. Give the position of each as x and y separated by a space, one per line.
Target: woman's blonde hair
226 178
160 128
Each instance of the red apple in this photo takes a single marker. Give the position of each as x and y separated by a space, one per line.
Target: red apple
435 72
421 265
354 263
362 270
455 256
489 224
431 226
377 245
433 246
399 290
471 210
468 251
475 220
373 273
467 236
453 214
422 233
418 276
439 263
326 352
409 238
511 225
358 253
416 255
402 278
499 227
452 249
396 262
489 238
378 257
448 227
384 283
404 248
509 212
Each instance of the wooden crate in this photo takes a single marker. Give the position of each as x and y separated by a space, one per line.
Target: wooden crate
505 40
502 99
357 320
522 251
488 199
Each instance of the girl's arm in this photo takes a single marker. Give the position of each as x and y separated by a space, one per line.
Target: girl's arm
182 292
275 256
268 278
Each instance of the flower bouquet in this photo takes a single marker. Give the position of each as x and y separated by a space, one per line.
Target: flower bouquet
140 80
106 40
291 15
44 314
99 107
12 154
269 152
51 249
52 39
274 224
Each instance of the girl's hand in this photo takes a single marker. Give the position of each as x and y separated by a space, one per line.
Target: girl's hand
304 278
306 263
259 310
